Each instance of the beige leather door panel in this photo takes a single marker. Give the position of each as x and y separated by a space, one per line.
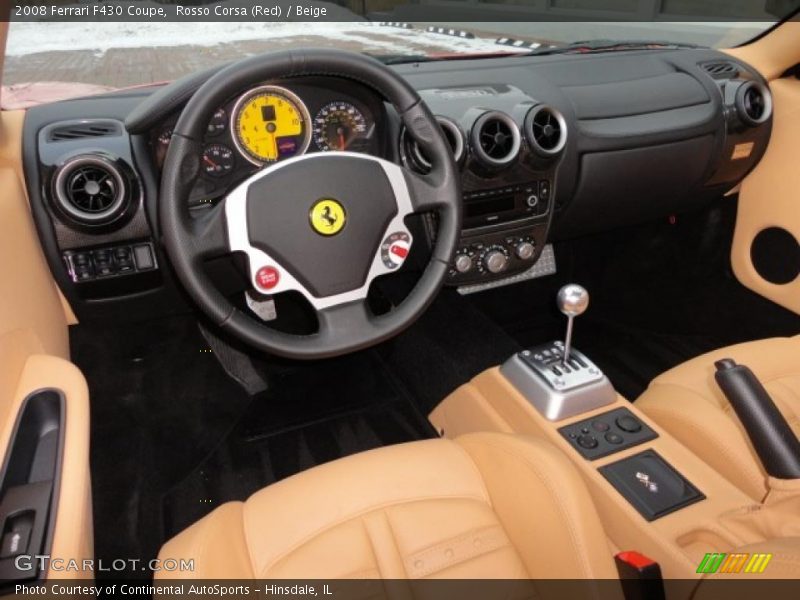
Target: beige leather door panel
770 195
34 350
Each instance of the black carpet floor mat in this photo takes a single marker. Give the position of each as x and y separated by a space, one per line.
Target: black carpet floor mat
159 403
313 414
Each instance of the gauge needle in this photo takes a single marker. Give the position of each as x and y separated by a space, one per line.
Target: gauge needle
341 140
210 162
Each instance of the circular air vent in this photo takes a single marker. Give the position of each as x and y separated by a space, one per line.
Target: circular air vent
753 103
545 130
90 190
495 139
415 158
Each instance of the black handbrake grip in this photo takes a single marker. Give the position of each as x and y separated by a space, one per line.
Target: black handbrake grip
774 441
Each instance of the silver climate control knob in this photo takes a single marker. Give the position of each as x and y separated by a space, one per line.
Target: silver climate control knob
463 263
525 250
495 261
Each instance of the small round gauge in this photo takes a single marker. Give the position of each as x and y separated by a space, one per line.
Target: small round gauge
269 124
217 160
337 124
218 123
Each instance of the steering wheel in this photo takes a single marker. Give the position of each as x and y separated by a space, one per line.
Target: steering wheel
324 225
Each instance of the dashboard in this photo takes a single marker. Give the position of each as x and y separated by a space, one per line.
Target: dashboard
548 148
271 122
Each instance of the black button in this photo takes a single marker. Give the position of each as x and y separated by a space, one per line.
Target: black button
600 426
81 259
144 257
84 274
629 424
16 542
544 190
587 441
614 438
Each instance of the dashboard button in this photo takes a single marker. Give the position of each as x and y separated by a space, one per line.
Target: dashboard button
525 250
463 263
544 190
614 438
600 426
629 424
587 441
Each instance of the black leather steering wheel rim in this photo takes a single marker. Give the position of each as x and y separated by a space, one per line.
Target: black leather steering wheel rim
189 240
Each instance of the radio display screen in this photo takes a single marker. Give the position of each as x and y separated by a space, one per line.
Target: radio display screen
481 208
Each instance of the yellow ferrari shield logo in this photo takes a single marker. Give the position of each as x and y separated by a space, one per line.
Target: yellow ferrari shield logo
327 216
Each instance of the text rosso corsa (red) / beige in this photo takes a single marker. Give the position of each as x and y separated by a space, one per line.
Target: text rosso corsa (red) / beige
251 11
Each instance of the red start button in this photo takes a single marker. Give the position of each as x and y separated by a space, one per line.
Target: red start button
267 278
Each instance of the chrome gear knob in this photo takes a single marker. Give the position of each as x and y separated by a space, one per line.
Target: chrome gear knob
572 300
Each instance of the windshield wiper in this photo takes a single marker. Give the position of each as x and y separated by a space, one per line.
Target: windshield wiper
592 46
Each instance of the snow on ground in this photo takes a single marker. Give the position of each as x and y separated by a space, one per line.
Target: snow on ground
31 38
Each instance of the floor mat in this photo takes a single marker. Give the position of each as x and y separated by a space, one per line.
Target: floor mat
160 403
313 413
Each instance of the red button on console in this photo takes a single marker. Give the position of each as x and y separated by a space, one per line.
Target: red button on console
267 277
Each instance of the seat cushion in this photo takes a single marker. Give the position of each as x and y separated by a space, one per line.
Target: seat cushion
486 505
687 402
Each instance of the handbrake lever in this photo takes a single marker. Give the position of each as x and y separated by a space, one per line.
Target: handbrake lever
774 441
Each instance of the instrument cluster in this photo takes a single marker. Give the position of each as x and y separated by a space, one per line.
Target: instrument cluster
270 123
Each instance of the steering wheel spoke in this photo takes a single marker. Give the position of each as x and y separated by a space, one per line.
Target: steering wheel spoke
425 195
344 319
209 233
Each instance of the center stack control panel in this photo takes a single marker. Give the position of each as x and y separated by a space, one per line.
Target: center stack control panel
508 147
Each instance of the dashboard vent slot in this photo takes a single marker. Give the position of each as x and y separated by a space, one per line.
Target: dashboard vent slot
84 129
721 69
495 139
753 103
545 130
413 155
90 189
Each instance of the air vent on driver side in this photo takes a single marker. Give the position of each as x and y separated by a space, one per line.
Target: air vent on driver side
78 130
415 158
721 69
495 139
545 131
753 103
91 190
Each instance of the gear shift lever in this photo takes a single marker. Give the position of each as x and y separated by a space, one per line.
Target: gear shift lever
556 378
572 300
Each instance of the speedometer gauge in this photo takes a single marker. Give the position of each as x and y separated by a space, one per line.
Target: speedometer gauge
337 124
270 123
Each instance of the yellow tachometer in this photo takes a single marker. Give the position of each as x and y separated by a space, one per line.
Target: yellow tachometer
270 123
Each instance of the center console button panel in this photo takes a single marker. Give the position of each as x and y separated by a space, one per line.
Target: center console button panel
651 484
612 431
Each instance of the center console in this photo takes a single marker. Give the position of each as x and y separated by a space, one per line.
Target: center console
508 148
654 495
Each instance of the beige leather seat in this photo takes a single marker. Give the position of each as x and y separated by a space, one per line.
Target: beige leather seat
487 505
687 402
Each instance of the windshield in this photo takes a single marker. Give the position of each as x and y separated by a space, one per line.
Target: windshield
70 48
